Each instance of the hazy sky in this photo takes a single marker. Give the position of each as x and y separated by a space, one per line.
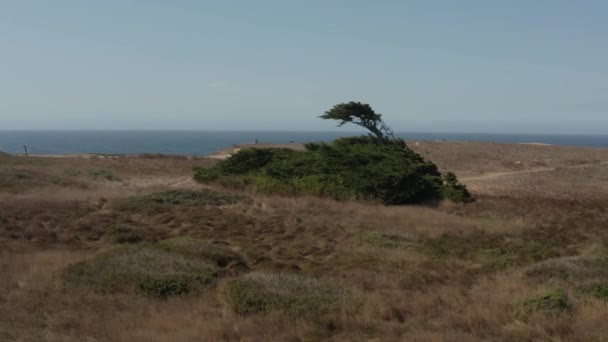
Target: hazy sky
462 66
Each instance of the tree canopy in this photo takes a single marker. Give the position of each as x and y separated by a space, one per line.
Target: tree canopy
360 114
377 167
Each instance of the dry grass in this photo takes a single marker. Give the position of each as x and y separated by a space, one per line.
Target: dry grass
305 268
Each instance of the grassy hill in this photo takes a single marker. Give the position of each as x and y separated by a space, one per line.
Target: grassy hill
146 254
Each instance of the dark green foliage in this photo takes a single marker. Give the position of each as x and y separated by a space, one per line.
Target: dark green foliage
365 168
163 287
250 160
551 302
455 191
180 197
173 285
360 114
294 294
207 174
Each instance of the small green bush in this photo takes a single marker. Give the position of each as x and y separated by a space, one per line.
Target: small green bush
552 302
143 267
206 174
294 294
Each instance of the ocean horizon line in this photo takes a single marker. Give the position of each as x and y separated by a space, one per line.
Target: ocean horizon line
328 131
197 142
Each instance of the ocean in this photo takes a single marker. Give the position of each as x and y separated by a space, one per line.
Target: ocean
207 142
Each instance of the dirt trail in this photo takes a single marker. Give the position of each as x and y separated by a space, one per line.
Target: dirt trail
492 175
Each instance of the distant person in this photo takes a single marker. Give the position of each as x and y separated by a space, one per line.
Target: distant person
25 151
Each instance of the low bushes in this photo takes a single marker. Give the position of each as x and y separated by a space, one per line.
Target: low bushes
294 294
220 255
180 197
492 251
103 174
387 240
123 234
143 267
597 290
575 270
552 302
364 168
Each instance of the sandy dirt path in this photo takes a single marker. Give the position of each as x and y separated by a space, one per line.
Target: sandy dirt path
493 175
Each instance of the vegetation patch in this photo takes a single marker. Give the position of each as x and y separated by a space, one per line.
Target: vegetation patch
102 174
552 302
597 290
378 167
492 251
145 268
221 255
454 190
123 234
294 294
181 197
387 240
569 271
19 180
363 168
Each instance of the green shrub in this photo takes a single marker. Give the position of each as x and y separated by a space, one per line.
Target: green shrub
220 255
323 185
253 159
173 285
386 240
551 302
364 168
294 294
142 267
181 197
206 174
455 191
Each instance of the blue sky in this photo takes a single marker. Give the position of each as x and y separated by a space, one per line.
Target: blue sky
460 66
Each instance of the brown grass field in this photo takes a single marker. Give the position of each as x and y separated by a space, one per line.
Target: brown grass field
130 248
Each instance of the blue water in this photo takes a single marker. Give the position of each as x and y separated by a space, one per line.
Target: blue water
203 143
